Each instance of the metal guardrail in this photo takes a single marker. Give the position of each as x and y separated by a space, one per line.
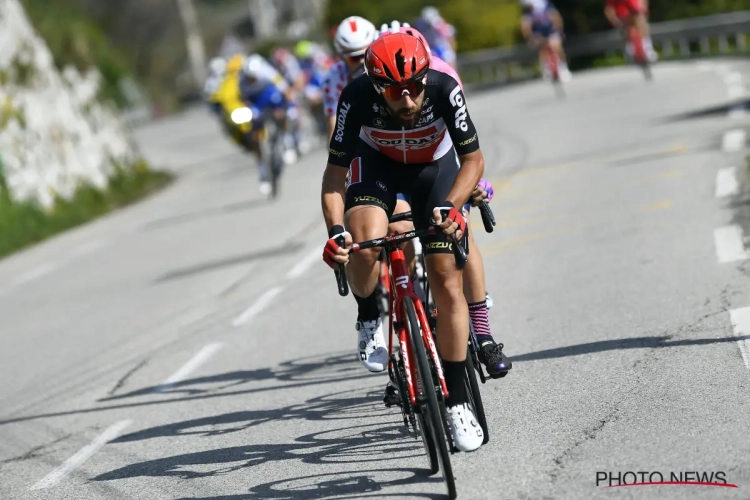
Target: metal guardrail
674 39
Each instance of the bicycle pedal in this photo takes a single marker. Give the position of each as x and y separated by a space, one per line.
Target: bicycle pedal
391 397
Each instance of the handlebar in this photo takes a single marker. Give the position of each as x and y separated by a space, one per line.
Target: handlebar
459 253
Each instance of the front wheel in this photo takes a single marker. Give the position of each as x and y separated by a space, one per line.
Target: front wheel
427 396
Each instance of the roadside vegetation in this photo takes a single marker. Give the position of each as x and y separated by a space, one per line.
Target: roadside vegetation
23 224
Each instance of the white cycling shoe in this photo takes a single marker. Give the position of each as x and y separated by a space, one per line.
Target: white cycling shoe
465 429
372 349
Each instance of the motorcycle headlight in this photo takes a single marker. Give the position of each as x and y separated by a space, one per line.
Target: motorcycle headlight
242 115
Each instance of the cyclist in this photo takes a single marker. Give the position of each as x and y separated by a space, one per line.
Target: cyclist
403 127
629 13
286 64
351 40
262 88
490 353
542 25
440 34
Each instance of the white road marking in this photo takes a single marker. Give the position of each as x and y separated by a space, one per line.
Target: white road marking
302 265
34 273
734 140
741 327
189 367
729 244
726 182
81 456
258 306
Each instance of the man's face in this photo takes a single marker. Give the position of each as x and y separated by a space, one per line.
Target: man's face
405 102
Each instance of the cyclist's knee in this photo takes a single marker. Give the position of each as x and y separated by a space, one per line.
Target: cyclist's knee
366 222
445 278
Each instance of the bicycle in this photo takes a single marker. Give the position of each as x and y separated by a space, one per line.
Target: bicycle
422 403
274 148
633 35
551 61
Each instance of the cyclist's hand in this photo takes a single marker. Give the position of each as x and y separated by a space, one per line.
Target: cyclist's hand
333 254
484 191
453 222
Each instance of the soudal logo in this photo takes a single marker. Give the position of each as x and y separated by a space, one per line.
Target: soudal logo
420 143
609 479
457 100
341 122
413 139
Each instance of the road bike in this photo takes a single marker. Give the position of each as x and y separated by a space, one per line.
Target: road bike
640 58
415 367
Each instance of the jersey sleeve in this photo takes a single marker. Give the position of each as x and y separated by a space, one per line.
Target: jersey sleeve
456 116
345 132
329 95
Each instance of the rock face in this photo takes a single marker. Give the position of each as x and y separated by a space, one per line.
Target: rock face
54 133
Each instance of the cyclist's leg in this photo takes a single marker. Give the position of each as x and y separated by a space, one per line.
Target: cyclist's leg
370 198
427 191
490 353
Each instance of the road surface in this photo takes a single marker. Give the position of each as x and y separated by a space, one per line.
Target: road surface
195 346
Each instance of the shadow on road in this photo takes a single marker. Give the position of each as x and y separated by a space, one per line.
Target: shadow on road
301 372
618 344
371 440
309 370
344 485
720 110
352 404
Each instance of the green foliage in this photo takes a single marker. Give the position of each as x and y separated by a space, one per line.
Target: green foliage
74 39
485 24
23 224
479 23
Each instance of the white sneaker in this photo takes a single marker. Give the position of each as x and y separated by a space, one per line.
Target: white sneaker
372 349
265 188
465 429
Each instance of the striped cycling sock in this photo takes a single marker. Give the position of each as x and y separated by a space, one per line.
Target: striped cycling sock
481 320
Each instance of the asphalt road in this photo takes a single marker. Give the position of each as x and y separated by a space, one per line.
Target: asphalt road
194 345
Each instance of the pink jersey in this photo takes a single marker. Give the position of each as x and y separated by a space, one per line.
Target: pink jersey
338 78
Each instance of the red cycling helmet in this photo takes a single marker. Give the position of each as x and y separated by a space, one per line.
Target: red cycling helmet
397 62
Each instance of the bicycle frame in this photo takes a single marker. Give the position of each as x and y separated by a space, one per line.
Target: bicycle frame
401 286
635 38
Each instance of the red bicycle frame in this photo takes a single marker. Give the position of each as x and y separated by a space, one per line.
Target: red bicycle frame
401 286
636 40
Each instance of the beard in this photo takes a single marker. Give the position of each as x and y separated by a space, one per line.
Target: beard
411 120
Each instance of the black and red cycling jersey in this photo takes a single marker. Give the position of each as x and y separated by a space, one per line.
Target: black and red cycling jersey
444 123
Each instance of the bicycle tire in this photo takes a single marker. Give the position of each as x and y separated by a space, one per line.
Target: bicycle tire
430 402
475 396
